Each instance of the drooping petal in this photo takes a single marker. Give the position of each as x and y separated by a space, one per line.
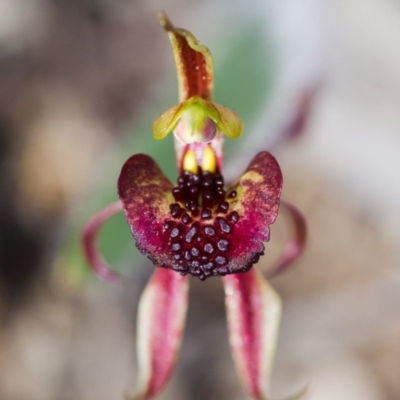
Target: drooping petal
296 243
192 121
166 122
257 202
253 312
193 62
145 193
161 318
228 122
90 231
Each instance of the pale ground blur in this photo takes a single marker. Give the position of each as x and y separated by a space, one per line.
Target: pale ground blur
341 322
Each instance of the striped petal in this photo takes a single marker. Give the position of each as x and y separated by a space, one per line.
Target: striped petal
193 62
253 311
161 318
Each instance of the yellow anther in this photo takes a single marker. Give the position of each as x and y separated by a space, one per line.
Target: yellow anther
190 162
209 162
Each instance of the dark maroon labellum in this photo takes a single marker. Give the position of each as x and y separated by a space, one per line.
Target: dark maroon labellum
204 231
201 207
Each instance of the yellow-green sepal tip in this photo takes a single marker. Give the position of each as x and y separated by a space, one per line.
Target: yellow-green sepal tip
196 110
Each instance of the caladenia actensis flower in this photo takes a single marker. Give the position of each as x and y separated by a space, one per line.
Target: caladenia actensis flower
201 227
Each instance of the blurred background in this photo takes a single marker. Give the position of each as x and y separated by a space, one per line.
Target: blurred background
317 83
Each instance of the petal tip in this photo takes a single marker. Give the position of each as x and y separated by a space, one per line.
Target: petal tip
165 22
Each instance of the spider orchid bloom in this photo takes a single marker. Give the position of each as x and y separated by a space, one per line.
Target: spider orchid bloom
202 228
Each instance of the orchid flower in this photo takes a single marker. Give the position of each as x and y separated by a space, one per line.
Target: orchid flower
201 227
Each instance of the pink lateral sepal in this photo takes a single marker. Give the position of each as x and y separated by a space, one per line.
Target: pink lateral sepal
90 250
161 320
253 312
297 124
295 244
